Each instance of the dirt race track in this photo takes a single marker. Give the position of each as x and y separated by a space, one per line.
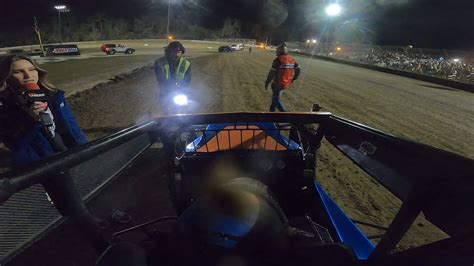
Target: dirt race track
428 113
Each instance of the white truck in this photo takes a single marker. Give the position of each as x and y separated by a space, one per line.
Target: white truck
111 49
237 47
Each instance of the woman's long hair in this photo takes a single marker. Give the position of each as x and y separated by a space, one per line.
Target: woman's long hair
6 71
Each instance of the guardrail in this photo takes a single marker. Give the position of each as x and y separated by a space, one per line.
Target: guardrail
28 215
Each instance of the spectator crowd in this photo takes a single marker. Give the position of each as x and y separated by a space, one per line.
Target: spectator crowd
454 69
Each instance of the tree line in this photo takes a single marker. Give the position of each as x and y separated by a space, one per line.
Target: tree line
100 26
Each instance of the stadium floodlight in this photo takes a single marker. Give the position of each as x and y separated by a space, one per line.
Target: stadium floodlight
333 10
168 19
60 8
168 24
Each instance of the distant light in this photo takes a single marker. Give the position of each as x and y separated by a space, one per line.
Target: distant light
338 48
313 41
333 10
60 7
456 60
307 41
170 38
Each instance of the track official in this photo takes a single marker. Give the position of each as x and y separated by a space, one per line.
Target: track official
173 72
283 72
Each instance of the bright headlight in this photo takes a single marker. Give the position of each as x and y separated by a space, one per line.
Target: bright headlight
180 99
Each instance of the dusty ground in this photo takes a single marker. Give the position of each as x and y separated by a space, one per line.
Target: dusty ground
428 113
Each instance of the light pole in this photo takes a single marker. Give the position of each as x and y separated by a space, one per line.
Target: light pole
332 10
169 37
168 25
60 8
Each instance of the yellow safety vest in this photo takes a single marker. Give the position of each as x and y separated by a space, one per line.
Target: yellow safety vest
180 72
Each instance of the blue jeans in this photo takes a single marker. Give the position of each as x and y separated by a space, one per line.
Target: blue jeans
276 100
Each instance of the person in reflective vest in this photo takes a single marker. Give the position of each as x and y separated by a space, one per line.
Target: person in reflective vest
172 71
283 72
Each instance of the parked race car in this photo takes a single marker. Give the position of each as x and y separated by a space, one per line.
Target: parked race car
225 49
245 191
112 49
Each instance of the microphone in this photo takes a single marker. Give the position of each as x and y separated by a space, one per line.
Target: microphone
33 93
31 86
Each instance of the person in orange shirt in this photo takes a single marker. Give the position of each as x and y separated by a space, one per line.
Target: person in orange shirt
283 72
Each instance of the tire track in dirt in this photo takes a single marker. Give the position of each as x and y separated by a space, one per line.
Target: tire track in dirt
404 125
242 85
401 110
344 100
207 83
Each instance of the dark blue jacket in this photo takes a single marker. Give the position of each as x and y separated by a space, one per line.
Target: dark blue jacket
26 138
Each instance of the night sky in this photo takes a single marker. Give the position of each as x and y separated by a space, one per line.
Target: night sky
422 23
